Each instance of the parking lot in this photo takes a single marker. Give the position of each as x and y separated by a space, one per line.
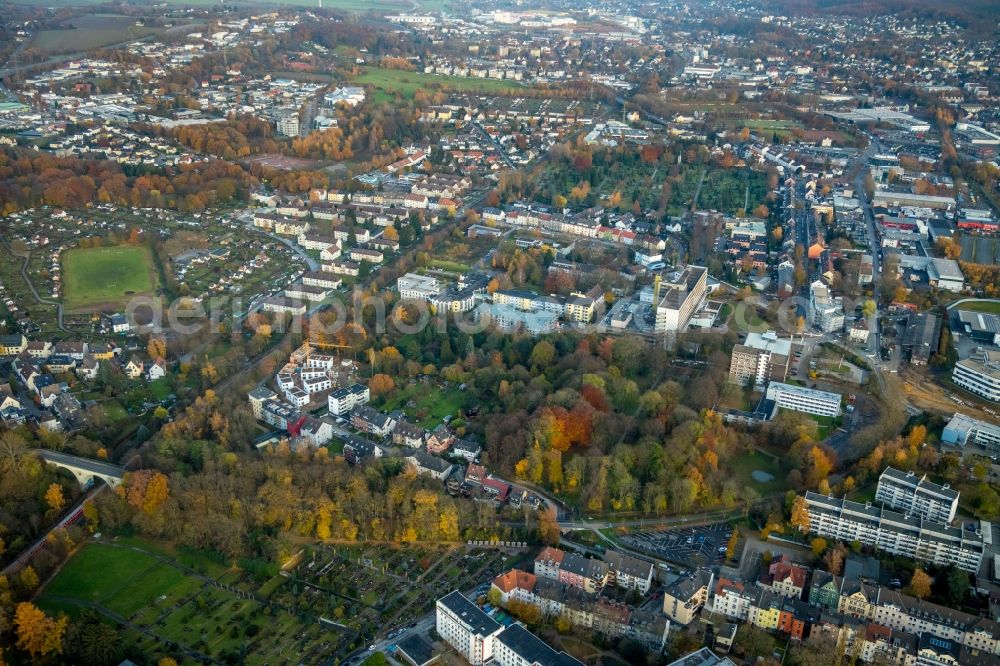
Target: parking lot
690 546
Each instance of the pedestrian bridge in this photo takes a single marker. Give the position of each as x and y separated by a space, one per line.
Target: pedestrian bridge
84 469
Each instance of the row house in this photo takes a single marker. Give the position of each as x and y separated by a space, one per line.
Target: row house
342 267
324 279
370 255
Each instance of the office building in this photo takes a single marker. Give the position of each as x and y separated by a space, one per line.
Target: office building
802 399
912 494
680 295
979 374
467 628
962 430
417 287
897 533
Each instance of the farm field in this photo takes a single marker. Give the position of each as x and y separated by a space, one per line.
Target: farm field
90 32
106 277
389 82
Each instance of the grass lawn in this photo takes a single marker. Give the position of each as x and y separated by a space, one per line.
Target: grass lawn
744 466
432 404
391 81
980 306
121 579
452 266
106 277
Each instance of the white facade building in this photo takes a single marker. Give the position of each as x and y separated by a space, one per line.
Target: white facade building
467 628
979 374
896 533
909 493
802 399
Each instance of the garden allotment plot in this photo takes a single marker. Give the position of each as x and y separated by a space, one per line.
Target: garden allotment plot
106 278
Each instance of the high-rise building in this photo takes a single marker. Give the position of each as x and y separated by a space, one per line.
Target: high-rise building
681 293
762 357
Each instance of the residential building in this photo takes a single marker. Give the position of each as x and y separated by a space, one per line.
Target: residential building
684 597
785 578
280 304
430 465
895 533
343 400
802 399
912 494
979 374
702 657
583 572
370 420
516 646
628 572
288 124
466 628
826 312
12 345
680 295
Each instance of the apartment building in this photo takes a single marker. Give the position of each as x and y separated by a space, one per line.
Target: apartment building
762 357
802 399
895 533
629 573
979 374
826 312
684 597
467 628
343 400
516 646
912 494
681 294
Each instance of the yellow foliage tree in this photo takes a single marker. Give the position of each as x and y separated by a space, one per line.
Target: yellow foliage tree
54 498
38 634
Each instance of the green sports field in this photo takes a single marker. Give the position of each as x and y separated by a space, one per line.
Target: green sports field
106 277
390 81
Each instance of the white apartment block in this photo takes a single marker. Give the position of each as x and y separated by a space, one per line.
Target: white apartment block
802 399
467 628
344 400
897 533
912 494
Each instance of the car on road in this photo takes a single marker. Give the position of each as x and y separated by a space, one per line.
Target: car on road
371 648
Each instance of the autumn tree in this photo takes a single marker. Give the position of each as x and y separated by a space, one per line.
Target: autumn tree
548 528
38 634
54 498
818 546
920 584
156 347
800 514
381 384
